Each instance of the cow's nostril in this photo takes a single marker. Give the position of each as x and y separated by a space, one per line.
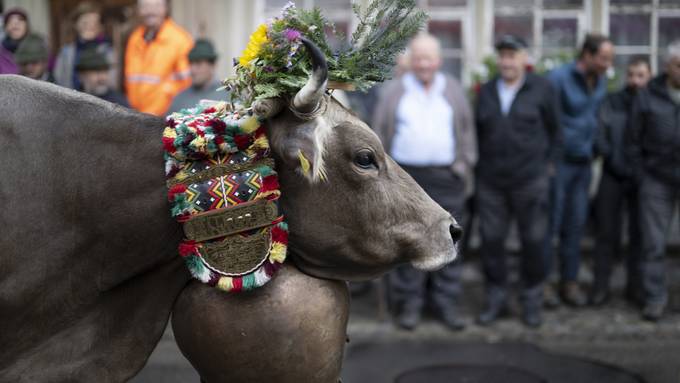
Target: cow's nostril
456 232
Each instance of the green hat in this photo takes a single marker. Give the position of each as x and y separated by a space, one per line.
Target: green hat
202 50
91 59
31 49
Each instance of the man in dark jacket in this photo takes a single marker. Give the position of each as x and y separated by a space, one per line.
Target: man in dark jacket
518 137
94 74
618 190
581 86
654 150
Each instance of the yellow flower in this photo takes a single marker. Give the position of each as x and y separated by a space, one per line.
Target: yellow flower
254 46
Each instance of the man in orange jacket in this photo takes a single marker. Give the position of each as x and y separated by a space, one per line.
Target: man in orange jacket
156 62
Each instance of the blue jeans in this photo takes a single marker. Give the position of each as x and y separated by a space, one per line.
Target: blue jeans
569 196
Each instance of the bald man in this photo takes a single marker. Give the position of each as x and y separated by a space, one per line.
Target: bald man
425 123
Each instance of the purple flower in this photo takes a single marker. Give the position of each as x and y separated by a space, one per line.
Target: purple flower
292 34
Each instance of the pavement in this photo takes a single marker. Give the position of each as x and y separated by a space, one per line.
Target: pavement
613 336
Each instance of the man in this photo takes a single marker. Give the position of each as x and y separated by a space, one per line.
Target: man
202 58
156 65
654 150
31 56
618 190
94 75
518 135
580 86
425 124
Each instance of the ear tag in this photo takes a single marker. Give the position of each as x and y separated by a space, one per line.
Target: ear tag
304 163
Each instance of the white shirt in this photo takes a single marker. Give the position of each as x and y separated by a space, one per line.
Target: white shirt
424 125
507 94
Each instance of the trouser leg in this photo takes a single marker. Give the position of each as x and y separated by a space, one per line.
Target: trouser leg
530 205
656 211
608 215
633 266
494 221
574 219
407 288
557 196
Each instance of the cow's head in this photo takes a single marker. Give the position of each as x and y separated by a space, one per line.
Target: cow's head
353 212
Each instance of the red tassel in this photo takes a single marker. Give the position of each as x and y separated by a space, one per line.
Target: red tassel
279 235
177 189
242 141
187 248
218 125
238 284
169 144
269 183
209 110
219 140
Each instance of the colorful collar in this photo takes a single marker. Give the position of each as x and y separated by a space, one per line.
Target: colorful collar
223 189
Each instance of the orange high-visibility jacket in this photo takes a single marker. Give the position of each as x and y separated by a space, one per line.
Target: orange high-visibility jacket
157 70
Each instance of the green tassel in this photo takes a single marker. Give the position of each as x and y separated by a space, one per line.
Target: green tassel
248 282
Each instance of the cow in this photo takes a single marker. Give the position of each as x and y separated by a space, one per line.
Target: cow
89 273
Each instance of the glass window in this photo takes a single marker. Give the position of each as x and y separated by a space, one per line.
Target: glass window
562 4
447 3
669 31
274 5
669 3
453 66
448 32
521 26
333 4
630 2
630 29
560 33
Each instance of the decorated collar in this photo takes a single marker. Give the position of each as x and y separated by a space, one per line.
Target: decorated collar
223 189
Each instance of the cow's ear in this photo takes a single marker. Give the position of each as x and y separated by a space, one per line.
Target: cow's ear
302 147
268 108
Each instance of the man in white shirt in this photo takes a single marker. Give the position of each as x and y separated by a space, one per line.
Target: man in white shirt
425 123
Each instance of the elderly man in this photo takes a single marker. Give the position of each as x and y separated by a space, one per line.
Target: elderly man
156 64
654 150
580 86
617 192
31 56
518 135
204 86
94 75
425 124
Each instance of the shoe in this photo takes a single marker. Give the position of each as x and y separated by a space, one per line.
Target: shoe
407 319
598 296
634 297
532 316
652 312
494 309
572 295
450 317
551 300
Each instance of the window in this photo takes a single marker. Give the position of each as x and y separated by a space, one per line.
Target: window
448 22
643 27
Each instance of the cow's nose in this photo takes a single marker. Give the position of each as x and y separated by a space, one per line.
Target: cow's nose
456 232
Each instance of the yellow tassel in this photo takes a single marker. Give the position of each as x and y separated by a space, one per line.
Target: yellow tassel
261 142
278 253
225 284
198 143
250 125
304 163
169 132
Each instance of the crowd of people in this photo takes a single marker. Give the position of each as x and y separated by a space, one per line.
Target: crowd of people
163 69
527 152
523 153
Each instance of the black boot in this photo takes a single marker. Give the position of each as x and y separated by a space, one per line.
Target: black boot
572 294
532 306
407 317
599 294
653 311
450 316
495 306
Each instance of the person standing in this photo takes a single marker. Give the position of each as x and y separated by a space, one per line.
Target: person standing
518 136
617 191
156 63
32 56
580 87
202 58
425 123
654 150
16 28
94 74
89 35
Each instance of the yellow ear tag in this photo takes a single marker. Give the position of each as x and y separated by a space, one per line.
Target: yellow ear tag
304 162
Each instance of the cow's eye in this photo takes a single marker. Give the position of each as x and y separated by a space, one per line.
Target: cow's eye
365 160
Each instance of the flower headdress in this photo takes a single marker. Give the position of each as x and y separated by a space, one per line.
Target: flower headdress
272 65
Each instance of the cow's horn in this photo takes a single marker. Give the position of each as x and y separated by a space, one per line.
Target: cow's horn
307 99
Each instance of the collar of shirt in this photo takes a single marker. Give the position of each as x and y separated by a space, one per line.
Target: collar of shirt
412 84
507 93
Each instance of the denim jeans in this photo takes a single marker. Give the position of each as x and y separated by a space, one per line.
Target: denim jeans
569 197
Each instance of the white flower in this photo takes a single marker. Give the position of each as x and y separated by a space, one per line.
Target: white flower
287 8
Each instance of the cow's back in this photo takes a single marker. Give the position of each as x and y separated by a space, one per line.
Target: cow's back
88 268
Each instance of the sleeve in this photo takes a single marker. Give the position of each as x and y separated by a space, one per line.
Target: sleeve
602 145
634 134
180 78
552 123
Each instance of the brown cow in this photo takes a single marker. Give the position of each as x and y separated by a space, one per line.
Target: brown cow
89 271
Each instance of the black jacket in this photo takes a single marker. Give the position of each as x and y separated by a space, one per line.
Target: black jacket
653 139
613 121
517 147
